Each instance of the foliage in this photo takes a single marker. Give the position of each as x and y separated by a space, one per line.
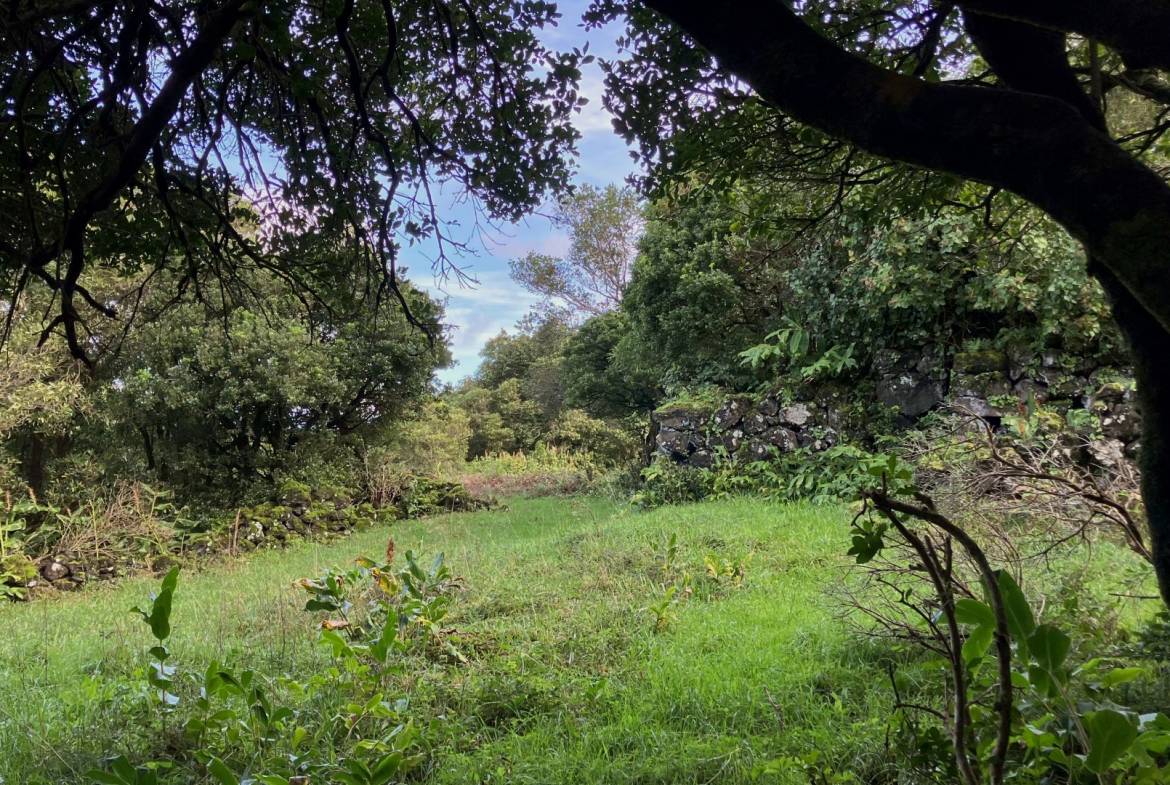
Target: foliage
600 374
603 227
218 412
789 346
506 357
520 398
42 395
433 441
608 444
501 419
703 288
832 475
342 117
347 729
1019 705
719 268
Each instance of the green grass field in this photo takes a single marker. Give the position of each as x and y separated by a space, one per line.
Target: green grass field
567 682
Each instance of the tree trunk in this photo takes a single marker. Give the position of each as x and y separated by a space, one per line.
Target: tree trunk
1150 343
35 455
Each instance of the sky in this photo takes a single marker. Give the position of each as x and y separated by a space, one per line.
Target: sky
480 311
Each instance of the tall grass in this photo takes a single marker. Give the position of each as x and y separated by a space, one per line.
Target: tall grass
542 471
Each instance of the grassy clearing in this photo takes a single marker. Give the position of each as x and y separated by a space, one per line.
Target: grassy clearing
568 682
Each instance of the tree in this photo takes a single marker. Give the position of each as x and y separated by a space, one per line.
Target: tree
704 289
206 137
603 226
602 374
513 356
224 401
874 75
41 396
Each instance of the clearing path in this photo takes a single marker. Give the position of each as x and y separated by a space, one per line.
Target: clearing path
584 666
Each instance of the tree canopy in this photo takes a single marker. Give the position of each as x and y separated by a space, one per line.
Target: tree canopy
604 226
206 138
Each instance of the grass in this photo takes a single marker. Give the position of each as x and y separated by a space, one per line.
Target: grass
567 682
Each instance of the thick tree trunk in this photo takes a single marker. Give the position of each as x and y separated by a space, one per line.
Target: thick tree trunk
1151 348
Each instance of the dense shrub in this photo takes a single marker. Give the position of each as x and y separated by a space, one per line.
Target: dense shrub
832 475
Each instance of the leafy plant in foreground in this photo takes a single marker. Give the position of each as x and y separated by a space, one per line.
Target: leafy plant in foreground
160 674
1019 706
347 724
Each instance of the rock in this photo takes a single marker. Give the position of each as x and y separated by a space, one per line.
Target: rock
1108 453
674 443
756 423
769 407
797 415
824 440
983 385
731 413
981 361
54 571
757 450
731 441
1031 388
679 420
1121 423
782 438
912 393
702 459
974 405
1067 388
1111 392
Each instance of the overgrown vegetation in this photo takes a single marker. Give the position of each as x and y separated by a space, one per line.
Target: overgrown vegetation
934 291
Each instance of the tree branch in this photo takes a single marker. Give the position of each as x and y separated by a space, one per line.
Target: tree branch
1138 29
1033 145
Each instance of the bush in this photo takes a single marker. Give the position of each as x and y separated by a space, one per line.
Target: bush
433 442
832 475
608 445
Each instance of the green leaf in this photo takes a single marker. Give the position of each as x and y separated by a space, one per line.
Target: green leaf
1020 621
1122 676
977 643
1049 647
223 775
123 769
386 768
160 611
974 612
1111 734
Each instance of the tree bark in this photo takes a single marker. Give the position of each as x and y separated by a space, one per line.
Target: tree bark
1151 345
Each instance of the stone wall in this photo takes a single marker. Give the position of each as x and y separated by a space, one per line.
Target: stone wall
743 428
987 384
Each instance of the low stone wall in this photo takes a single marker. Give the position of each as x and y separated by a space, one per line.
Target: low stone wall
741 428
984 384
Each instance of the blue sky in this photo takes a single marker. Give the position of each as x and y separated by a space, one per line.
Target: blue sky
480 311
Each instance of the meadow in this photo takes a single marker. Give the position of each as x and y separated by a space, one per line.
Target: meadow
571 675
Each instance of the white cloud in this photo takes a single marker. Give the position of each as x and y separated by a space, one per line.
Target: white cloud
593 117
